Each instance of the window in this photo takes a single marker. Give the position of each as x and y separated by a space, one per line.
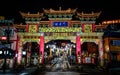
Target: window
115 42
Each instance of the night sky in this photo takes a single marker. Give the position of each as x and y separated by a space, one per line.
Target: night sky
10 8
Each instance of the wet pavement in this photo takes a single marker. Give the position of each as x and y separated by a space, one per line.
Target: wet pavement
23 71
70 73
51 70
63 73
74 70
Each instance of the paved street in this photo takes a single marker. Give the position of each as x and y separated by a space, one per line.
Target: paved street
45 71
63 73
70 73
24 71
73 71
53 70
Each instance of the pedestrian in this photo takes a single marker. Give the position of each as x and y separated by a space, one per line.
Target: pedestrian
65 61
35 61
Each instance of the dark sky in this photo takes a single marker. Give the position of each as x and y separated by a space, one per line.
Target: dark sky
10 8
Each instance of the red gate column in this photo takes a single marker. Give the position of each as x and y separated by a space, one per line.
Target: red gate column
41 51
16 52
101 51
19 55
78 49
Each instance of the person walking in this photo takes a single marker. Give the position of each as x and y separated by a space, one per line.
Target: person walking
65 61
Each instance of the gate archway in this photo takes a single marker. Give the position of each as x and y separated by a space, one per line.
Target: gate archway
31 52
89 51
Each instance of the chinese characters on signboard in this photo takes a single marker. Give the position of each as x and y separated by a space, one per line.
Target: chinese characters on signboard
32 28
60 24
88 28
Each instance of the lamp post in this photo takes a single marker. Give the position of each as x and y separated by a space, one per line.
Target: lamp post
7 34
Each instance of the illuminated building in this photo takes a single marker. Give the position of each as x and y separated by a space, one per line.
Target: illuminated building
112 41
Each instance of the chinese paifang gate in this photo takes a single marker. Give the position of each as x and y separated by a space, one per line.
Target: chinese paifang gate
45 35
